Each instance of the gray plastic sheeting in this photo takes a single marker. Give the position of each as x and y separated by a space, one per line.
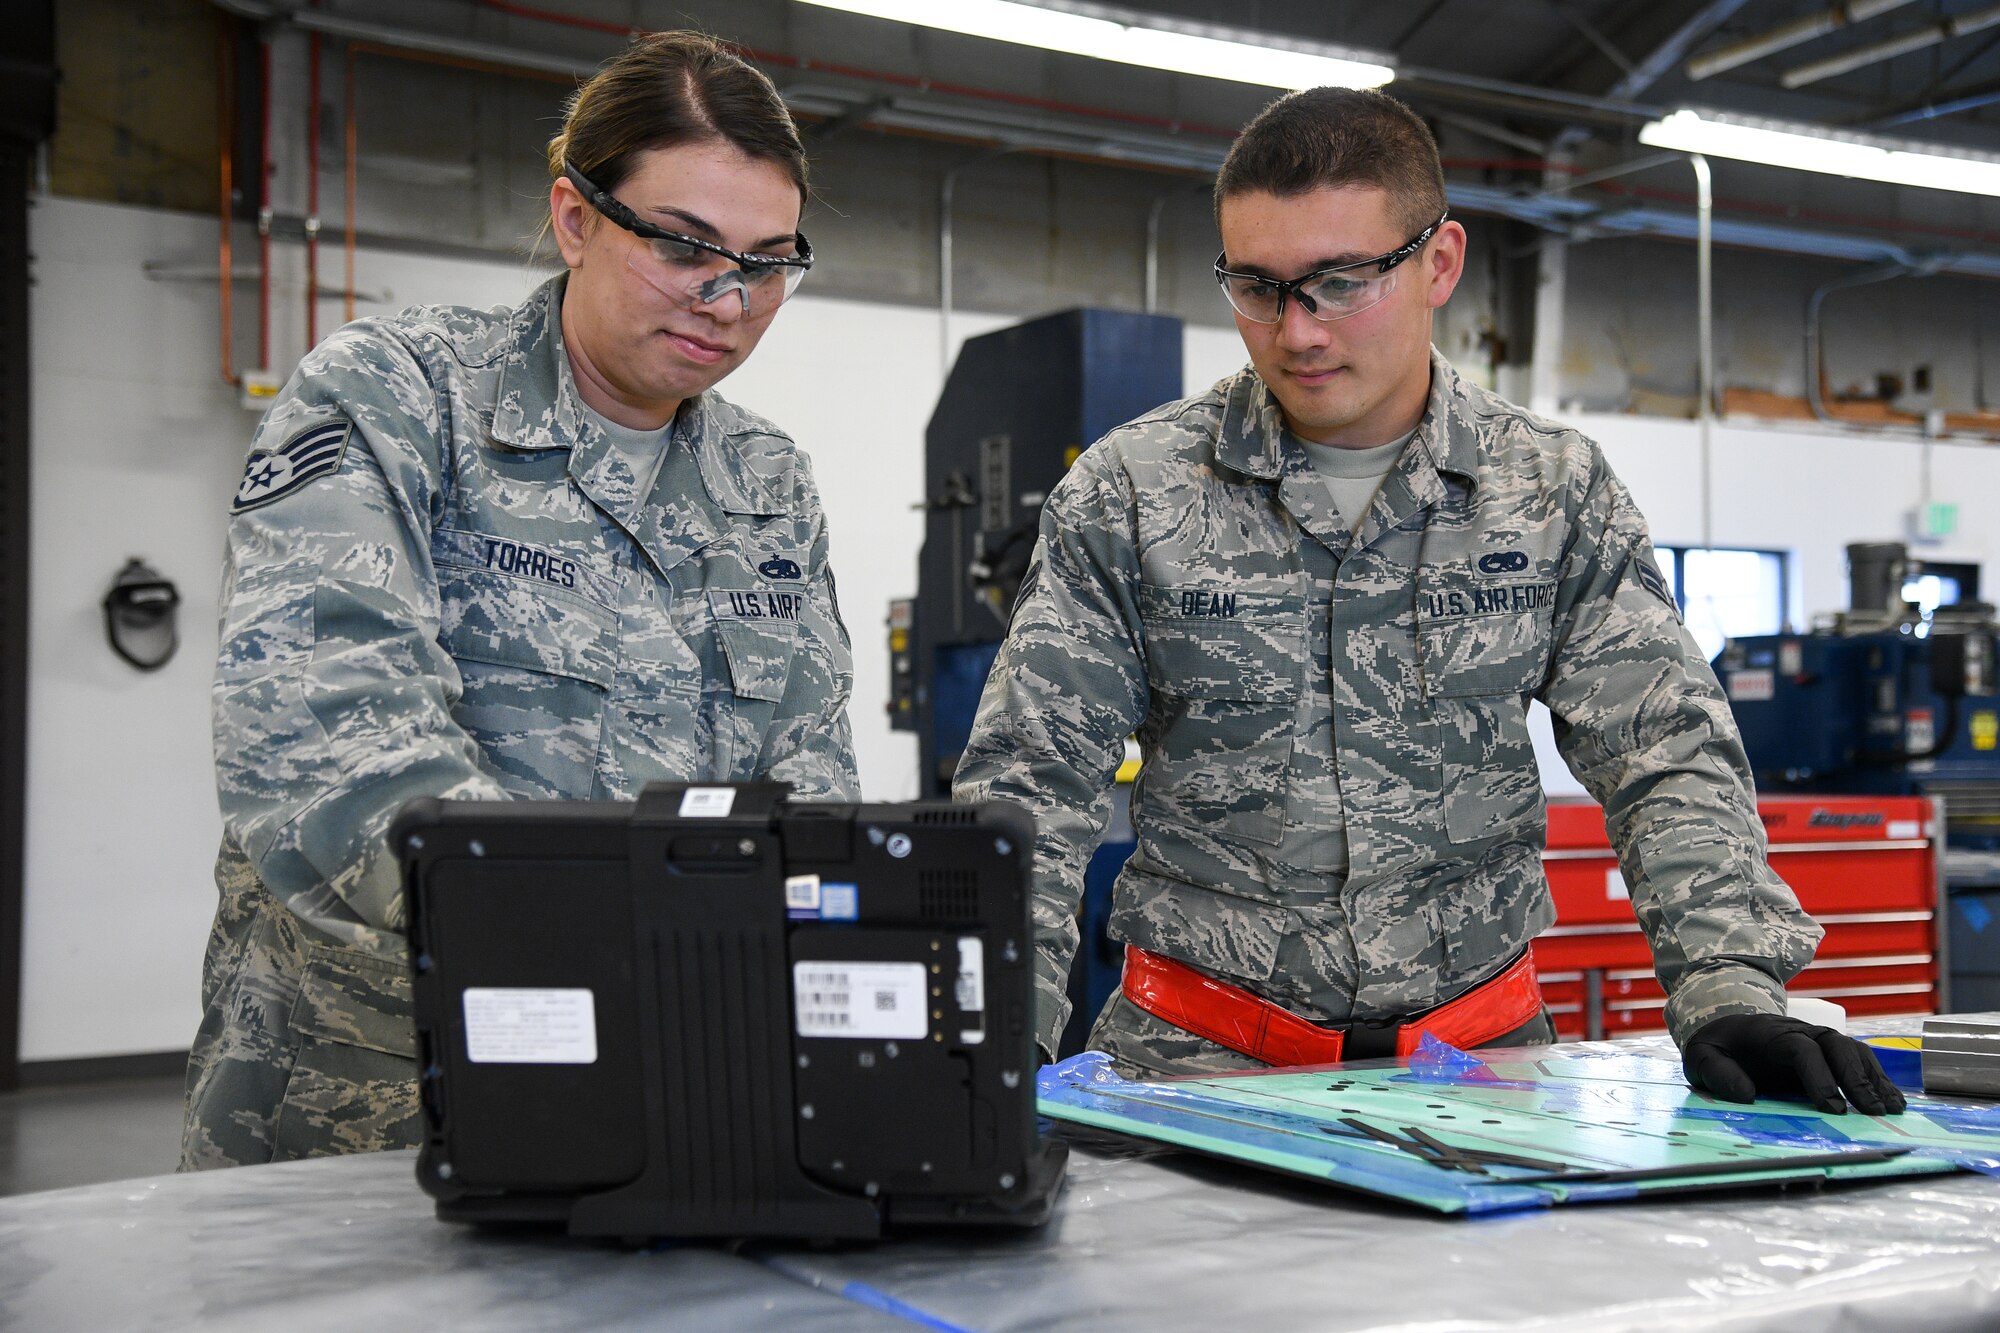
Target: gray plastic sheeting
1140 1241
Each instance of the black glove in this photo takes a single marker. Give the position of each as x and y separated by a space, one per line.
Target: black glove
1742 1056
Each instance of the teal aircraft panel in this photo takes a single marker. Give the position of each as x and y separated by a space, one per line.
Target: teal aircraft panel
1528 1128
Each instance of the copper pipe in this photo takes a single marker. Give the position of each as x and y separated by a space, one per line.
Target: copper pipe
358 48
312 196
348 112
264 206
225 125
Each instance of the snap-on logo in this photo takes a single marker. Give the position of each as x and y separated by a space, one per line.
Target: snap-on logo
1503 562
1832 819
777 567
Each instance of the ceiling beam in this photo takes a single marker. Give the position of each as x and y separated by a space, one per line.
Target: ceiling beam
1661 60
1692 31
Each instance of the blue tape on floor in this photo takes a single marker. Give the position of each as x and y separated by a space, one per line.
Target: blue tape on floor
860 1293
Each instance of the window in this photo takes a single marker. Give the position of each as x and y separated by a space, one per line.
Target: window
1726 594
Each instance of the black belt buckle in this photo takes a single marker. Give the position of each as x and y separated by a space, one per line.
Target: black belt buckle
1370 1041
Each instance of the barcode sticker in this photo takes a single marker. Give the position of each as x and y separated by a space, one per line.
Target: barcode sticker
513 1025
708 802
970 987
859 1000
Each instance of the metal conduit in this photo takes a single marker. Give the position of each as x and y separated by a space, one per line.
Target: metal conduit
1153 212
1787 35
1704 411
1816 342
945 191
1875 53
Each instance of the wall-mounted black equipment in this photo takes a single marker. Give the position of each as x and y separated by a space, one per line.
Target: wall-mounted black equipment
140 615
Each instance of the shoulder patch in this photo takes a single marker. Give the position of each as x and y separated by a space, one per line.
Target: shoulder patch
1653 581
312 452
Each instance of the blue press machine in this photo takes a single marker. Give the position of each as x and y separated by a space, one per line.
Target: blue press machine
1020 405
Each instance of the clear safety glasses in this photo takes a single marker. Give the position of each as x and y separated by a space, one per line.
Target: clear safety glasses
1326 294
682 268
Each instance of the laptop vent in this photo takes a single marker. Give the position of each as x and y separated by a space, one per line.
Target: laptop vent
723 1103
948 895
945 815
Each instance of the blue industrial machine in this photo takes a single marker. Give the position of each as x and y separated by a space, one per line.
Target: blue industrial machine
1877 699
1020 405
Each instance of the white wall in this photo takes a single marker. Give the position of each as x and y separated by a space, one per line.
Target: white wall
137 446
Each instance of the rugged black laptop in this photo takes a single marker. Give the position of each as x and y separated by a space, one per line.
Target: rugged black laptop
715 1012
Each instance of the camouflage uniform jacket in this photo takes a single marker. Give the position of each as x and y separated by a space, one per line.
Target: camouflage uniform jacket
477 602
1339 807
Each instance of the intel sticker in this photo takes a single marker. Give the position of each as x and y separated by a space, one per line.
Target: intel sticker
839 902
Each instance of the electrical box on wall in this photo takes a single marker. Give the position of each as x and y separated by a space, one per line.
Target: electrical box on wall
258 389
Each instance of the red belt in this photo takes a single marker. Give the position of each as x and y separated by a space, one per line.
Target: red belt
1233 1017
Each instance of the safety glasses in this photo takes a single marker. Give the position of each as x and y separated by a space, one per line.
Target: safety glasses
680 267
1326 294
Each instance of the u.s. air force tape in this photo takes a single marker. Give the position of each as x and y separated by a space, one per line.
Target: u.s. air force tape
312 451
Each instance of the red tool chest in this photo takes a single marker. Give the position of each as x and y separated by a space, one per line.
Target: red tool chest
1867 868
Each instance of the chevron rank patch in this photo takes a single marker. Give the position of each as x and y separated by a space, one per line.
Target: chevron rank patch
1654 582
312 452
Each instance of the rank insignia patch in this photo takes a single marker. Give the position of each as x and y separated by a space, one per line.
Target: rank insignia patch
311 453
1654 582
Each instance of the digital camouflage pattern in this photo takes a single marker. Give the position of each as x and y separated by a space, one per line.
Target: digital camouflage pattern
1339 808
477 602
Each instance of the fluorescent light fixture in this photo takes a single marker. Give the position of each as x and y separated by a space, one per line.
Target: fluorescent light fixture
1834 152
1105 33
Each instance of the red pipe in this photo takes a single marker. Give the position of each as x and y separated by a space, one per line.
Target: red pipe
1506 164
348 110
264 208
567 20
312 196
225 129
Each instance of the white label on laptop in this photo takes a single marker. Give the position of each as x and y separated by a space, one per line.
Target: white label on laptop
707 802
859 999
529 1026
970 988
